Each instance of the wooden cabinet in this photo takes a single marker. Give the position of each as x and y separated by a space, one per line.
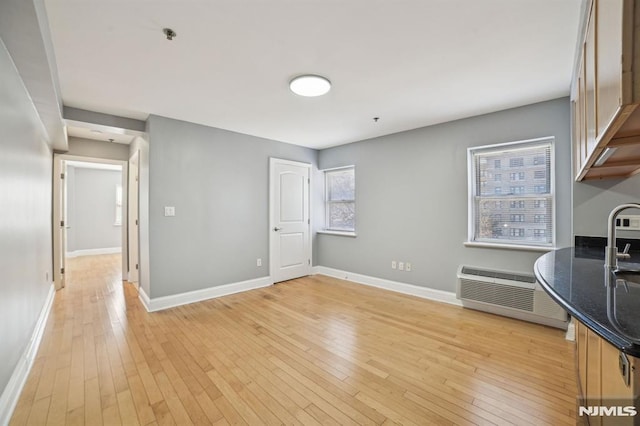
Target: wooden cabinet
601 380
606 92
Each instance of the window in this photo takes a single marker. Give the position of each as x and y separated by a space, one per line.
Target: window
516 232
517 218
118 220
539 174
531 164
497 177
538 160
516 162
340 199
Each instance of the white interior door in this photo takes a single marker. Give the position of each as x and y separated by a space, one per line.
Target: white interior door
134 166
290 228
59 225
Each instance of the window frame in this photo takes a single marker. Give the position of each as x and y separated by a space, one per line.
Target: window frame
471 194
327 203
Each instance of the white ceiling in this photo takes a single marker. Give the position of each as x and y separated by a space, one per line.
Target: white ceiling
410 62
98 132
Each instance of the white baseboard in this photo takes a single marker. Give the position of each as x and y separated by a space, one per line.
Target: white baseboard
144 299
410 289
166 302
11 393
94 252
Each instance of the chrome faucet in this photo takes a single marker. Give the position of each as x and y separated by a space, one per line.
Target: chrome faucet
611 252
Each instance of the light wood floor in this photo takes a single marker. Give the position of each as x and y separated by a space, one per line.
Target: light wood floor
310 351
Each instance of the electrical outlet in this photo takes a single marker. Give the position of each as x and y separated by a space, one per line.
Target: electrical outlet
407 267
401 266
393 264
628 222
169 211
259 262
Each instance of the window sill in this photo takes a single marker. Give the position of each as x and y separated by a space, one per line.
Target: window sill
508 246
340 233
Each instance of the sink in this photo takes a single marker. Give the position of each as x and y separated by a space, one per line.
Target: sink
627 268
622 287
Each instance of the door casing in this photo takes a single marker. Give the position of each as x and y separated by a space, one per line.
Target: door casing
58 194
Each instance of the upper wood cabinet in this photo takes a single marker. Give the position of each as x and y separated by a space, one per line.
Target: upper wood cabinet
606 92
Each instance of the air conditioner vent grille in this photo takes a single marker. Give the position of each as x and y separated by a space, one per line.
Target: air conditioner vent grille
502 295
524 278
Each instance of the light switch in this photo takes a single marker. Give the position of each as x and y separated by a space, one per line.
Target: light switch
169 211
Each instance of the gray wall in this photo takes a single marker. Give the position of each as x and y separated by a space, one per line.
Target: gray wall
25 217
593 200
411 197
98 149
218 182
91 195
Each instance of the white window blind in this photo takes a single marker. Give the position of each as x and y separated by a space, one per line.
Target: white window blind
340 199
504 213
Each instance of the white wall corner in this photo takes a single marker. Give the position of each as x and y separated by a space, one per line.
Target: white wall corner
144 299
166 302
11 393
398 287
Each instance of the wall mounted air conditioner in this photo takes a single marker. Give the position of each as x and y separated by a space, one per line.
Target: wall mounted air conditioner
510 294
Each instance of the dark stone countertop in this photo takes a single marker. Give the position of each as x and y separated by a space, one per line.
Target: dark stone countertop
577 279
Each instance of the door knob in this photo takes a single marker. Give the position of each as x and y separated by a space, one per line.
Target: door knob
276 229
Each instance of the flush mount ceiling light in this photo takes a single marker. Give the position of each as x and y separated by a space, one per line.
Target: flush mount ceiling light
310 85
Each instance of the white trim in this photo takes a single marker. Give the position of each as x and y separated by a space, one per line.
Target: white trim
93 252
11 393
332 169
166 302
341 233
144 299
570 335
471 172
58 159
519 247
410 289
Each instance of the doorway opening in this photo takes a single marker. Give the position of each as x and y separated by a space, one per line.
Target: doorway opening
90 214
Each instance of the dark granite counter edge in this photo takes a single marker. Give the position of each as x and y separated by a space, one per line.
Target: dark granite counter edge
608 335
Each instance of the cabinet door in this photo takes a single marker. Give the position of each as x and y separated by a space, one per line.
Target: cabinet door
590 82
615 391
609 63
579 125
593 389
581 342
